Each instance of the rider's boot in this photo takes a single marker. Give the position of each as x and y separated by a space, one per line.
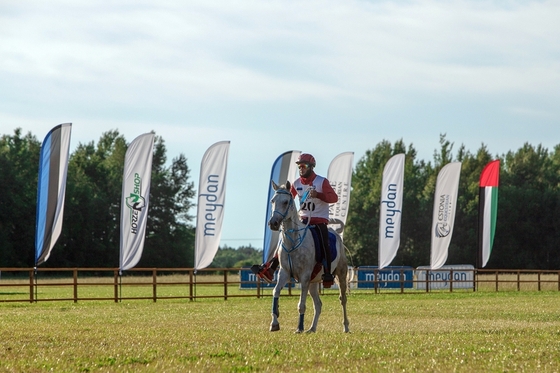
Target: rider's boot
266 270
328 278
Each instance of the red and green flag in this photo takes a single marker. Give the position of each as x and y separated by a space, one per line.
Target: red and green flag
487 210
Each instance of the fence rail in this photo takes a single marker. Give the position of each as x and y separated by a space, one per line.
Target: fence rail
86 284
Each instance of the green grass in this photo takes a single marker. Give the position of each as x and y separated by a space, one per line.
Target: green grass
435 332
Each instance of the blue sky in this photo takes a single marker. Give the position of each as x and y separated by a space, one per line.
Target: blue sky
322 77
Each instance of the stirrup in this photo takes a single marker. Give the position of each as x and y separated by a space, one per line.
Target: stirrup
328 279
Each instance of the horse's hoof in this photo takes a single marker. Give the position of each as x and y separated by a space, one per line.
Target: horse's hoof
298 331
275 328
310 331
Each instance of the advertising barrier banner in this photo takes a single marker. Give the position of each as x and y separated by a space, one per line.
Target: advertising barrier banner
391 277
461 275
248 280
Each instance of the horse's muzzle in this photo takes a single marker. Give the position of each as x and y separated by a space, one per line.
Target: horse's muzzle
274 224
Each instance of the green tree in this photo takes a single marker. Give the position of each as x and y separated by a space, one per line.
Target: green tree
228 257
418 201
527 232
361 233
463 248
91 232
417 205
169 237
19 165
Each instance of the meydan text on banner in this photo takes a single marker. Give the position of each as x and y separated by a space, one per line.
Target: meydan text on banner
460 276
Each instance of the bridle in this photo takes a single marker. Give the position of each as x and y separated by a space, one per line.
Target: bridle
283 215
295 243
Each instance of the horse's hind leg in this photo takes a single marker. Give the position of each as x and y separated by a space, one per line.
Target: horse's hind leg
317 305
342 273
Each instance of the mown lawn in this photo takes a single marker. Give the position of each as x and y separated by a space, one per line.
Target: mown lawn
435 332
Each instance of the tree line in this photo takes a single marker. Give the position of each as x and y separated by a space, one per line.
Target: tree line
528 222
527 233
91 223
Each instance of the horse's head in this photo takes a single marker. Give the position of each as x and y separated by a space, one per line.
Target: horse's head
281 203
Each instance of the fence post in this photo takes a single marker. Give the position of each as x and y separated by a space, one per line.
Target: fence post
154 284
225 285
75 275
375 279
539 279
518 281
427 281
31 287
402 280
497 280
451 280
191 285
116 285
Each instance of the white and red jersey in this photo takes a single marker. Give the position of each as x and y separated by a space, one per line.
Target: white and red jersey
314 209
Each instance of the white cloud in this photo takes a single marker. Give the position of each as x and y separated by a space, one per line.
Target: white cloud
284 51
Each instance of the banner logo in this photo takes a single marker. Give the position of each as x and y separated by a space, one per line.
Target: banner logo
340 208
213 188
390 210
443 227
135 203
442 230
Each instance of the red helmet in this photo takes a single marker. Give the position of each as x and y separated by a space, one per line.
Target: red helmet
306 158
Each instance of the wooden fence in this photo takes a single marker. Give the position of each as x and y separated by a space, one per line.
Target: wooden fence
86 284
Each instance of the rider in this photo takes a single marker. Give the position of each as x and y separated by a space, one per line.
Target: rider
313 211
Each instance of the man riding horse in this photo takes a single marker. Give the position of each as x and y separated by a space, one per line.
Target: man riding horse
315 194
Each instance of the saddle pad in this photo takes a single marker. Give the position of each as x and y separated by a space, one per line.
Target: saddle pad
318 252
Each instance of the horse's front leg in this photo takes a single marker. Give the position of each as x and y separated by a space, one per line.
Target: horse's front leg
301 304
317 305
283 278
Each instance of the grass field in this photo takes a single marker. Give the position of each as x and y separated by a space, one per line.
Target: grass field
434 332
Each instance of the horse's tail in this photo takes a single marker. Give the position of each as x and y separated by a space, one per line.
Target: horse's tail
351 272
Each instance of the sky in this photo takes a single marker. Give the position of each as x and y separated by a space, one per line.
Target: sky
322 77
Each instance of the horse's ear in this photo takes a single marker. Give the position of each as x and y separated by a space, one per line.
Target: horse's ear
288 186
274 185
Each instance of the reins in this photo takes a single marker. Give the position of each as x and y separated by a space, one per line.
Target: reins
295 243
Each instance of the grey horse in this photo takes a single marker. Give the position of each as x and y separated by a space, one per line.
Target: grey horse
296 253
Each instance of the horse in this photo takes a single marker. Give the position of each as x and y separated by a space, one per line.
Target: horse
296 254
